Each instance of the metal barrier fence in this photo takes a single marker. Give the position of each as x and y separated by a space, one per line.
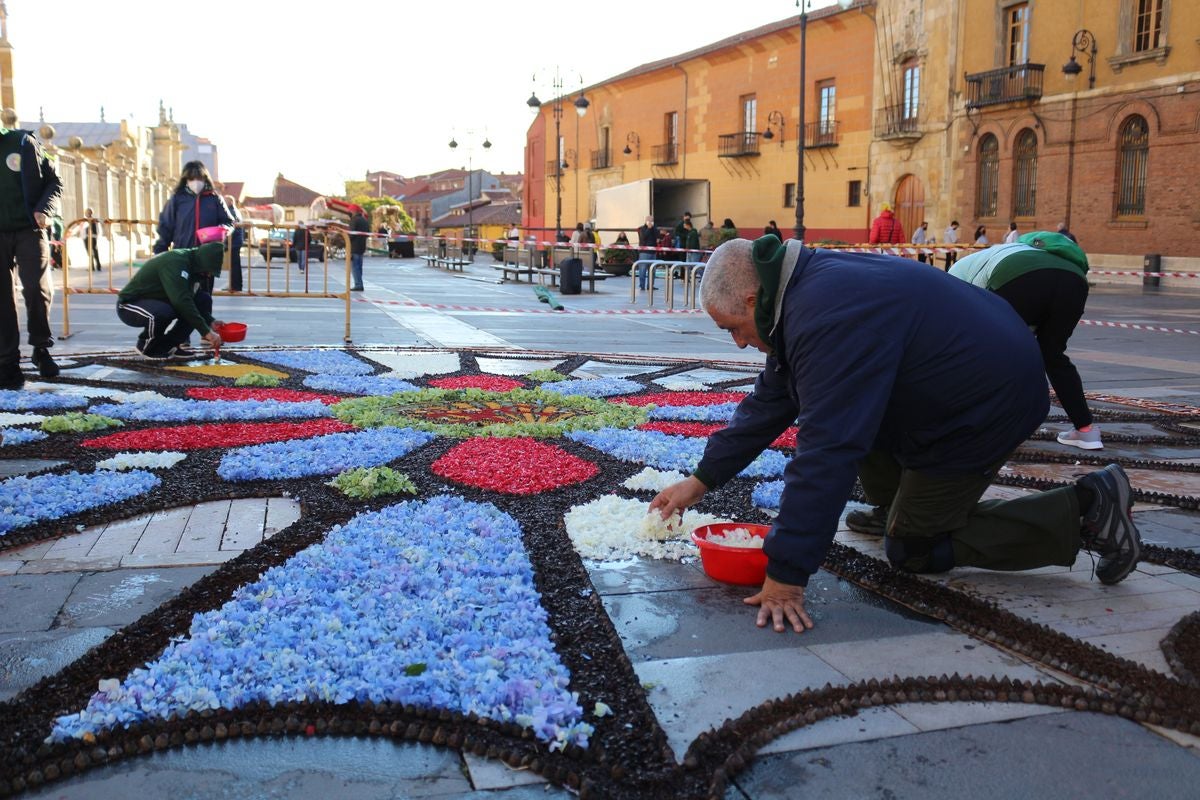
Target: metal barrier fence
272 288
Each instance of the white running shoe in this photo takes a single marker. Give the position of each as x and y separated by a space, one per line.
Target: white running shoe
1084 440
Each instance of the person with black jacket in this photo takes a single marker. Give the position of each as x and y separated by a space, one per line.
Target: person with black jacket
647 248
194 205
300 240
91 233
359 228
30 193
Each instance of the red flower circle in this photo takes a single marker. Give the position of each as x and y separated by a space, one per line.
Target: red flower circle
260 393
706 429
512 466
230 434
489 383
681 398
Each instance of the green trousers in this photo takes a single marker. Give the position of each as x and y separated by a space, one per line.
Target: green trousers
936 522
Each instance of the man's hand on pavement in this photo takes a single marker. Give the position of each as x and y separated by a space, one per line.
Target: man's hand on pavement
678 496
781 604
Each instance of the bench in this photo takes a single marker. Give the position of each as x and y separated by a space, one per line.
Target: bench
448 262
516 270
590 276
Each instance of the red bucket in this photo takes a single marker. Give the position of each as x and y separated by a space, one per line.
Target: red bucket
231 331
745 566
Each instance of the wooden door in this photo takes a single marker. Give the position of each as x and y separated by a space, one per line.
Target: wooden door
910 204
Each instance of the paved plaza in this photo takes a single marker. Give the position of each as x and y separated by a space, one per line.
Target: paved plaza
690 641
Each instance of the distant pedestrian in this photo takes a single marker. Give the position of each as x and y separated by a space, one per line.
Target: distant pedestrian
647 249
359 228
727 232
1012 234
236 240
514 233
91 236
300 243
679 232
691 241
981 235
1062 228
886 229
773 229
951 237
710 237
578 237
920 238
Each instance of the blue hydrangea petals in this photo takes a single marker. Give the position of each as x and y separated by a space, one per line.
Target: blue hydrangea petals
15 436
328 362
171 410
721 412
359 384
442 583
322 455
23 400
594 387
767 494
24 501
667 451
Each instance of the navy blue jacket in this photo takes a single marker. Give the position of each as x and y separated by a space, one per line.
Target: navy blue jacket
874 352
40 184
177 224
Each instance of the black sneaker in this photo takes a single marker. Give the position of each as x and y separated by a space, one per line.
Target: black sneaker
1108 529
11 377
873 522
44 363
181 351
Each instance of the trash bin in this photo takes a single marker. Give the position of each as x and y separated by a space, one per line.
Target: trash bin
570 276
1151 265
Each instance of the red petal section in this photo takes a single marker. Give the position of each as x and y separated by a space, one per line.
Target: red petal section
512 466
231 434
706 429
681 398
489 383
260 393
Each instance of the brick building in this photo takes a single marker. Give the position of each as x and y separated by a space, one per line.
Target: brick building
1111 151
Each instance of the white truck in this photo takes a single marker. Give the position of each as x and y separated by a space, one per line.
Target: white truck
626 207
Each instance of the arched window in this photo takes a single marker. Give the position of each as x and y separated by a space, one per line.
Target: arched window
1133 151
1025 175
987 177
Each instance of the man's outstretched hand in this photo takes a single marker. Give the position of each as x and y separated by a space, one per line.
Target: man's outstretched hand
782 604
678 496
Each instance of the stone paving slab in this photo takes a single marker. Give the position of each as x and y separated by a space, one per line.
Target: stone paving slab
28 656
1059 755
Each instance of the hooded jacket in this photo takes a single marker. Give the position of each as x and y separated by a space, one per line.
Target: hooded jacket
174 276
886 229
992 268
178 222
873 352
40 185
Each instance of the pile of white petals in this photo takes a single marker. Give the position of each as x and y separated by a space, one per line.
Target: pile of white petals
608 529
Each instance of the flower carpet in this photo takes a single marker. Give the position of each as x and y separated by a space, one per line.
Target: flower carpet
458 611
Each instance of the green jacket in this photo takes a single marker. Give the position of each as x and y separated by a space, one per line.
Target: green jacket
992 268
174 276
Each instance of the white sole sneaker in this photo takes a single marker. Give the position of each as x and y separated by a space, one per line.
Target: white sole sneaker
1089 440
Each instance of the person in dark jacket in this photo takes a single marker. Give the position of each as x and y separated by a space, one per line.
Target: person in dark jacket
30 194
195 204
91 233
236 241
166 298
773 229
359 228
647 249
678 237
886 229
916 382
300 240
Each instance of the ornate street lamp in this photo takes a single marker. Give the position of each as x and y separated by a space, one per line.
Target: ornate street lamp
632 138
1082 42
799 230
581 106
470 234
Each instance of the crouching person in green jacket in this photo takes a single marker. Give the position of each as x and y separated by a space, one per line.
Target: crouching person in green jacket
166 299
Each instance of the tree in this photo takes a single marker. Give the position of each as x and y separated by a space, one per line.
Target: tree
356 188
395 214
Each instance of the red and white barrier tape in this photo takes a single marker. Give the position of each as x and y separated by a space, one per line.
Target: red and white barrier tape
1139 273
1135 327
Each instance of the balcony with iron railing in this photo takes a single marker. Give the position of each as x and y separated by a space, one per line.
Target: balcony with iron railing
601 159
897 122
738 145
665 154
1013 84
823 133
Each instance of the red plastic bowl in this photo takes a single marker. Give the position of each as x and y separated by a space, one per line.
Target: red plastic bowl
231 331
745 566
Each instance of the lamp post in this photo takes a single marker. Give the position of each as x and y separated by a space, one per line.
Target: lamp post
581 106
632 138
470 190
799 230
1082 42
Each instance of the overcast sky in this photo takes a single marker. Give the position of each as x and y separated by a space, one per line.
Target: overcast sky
324 92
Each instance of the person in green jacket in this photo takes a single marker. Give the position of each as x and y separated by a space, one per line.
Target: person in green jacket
166 299
1043 276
